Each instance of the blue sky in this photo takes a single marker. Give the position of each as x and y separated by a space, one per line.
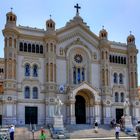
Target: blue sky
117 16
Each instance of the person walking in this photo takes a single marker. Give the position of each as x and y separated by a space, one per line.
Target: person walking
11 131
117 131
138 130
42 135
96 126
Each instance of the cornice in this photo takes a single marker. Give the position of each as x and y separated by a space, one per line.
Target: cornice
10 31
114 50
31 37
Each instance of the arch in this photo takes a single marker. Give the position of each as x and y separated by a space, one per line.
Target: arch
20 46
41 49
115 76
35 70
10 42
33 48
27 69
122 96
25 47
27 92
85 87
35 93
37 48
116 97
121 78
121 60
29 47
82 46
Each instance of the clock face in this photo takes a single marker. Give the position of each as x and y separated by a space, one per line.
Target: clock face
78 58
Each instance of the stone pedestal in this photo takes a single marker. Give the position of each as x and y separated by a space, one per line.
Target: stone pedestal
58 123
128 123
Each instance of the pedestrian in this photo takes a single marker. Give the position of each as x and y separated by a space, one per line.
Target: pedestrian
42 135
138 130
117 131
96 126
11 131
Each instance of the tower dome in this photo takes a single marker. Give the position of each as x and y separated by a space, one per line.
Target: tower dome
11 18
103 33
50 25
131 39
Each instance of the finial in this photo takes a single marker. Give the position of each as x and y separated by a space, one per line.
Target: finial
103 27
50 16
11 9
77 8
130 32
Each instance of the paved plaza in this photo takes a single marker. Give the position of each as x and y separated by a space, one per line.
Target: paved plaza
82 132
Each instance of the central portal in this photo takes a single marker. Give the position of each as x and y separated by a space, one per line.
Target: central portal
31 115
80 112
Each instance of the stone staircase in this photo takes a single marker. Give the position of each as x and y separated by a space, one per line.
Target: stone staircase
24 133
87 131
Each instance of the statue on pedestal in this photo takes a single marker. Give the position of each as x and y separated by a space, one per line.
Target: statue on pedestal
126 107
58 104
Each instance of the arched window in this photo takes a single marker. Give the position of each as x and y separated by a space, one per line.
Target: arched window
21 46
27 70
102 54
121 78
5 42
113 59
110 58
35 71
37 48
119 60
124 60
134 59
27 92
15 43
115 78
74 75
130 59
29 47
35 93
33 48
10 42
122 97
78 76
116 97
51 47
116 59
83 74
41 49
25 47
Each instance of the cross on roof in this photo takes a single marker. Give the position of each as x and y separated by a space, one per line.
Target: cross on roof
11 9
130 32
77 8
50 16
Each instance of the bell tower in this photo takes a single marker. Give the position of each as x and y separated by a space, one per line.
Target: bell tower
133 74
50 41
105 72
11 19
10 55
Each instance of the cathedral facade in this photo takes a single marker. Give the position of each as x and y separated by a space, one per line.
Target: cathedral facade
91 75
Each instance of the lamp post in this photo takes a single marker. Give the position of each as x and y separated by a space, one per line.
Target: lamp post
33 133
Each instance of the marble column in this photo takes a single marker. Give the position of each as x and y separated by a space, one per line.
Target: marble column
72 111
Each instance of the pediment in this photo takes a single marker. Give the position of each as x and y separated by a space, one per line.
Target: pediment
77 29
84 86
